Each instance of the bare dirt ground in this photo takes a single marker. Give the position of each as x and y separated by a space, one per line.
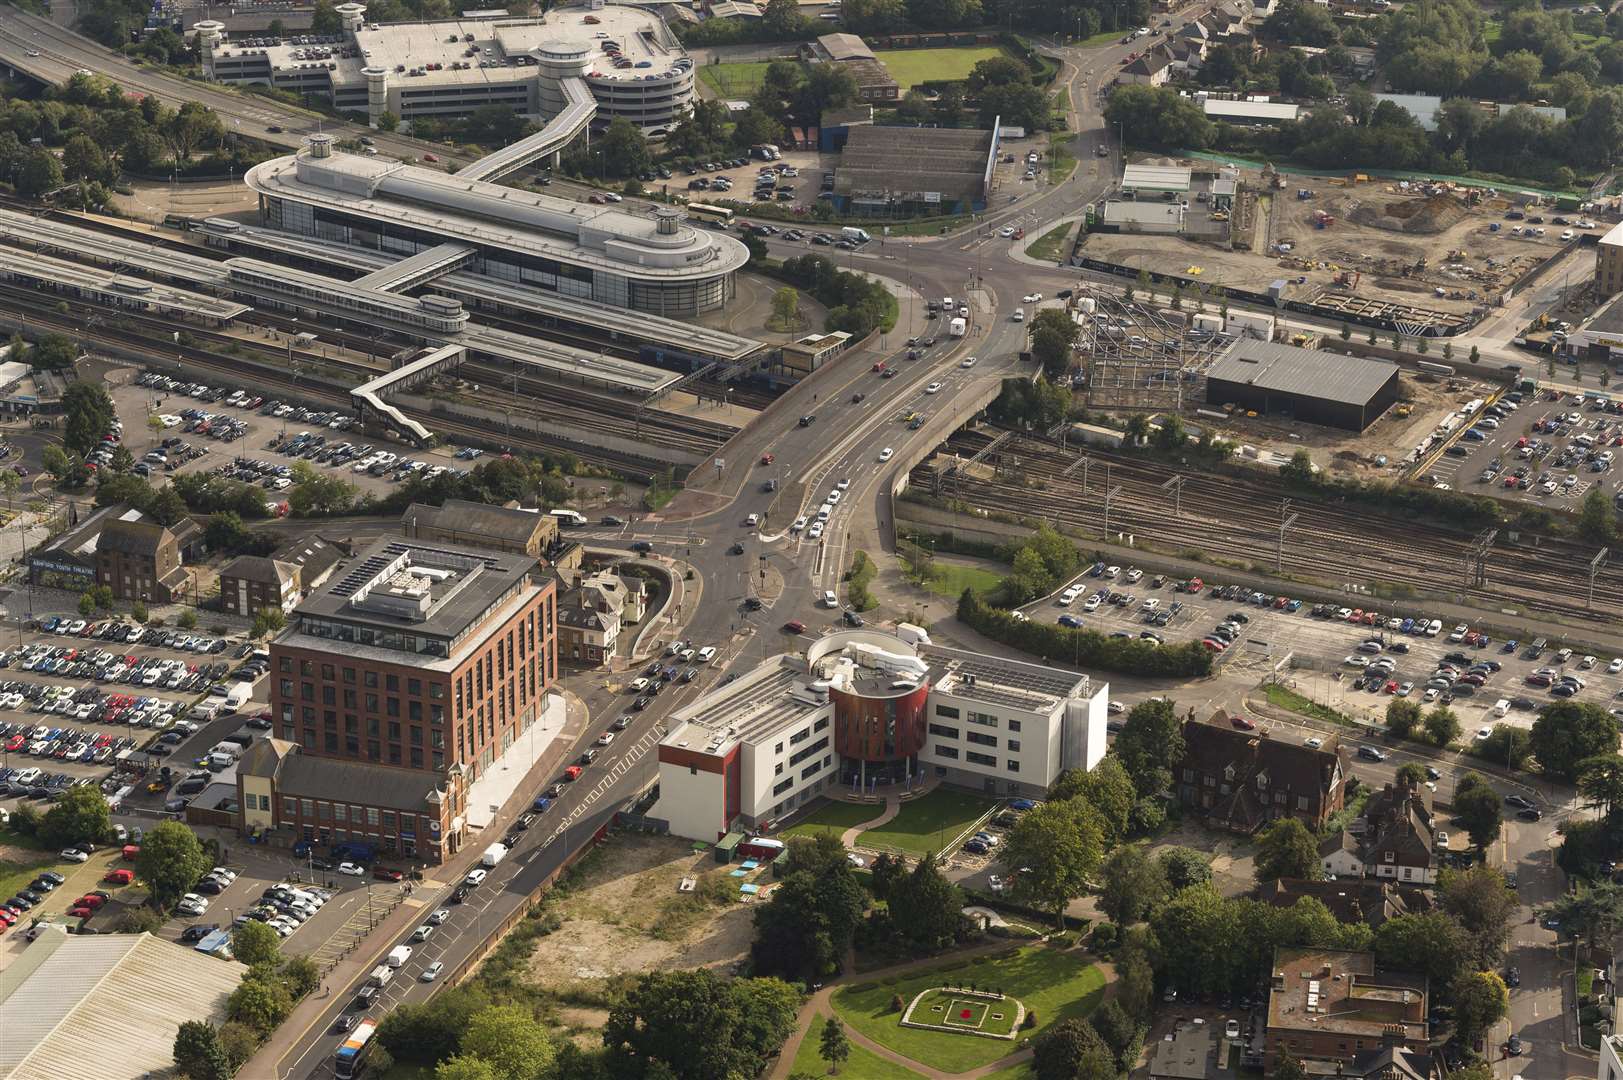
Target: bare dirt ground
1379 230
626 915
1350 453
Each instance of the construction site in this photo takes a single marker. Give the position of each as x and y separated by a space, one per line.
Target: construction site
1420 253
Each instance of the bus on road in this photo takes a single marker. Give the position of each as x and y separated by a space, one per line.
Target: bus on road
714 215
350 1061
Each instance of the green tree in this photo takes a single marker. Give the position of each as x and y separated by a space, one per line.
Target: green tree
1053 334
1442 725
465 1067
698 1024
432 1031
89 416
82 159
1287 850
316 494
41 173
1150 740
1593 913
198 1053
834 1047
122 461
925 907
1072 1050
170 862
1411 773
1567 733
1059 846
260 1002
225 532
1107 787
510 1039
1136 976
1133 885
1184 867
1476 806
1597 521
621 150
803 931
1402 717
1431 943
1507 745
1479 901
1480 1001
786 308
79 816
1123 1034
1299 470
256 944
302 975
1600 782
53 352
1287 1066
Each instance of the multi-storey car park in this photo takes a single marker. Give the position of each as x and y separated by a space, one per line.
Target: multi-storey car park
649 262
626 60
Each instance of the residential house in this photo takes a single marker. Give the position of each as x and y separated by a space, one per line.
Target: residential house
625 594
1153 68
1330 1006
588 627
140 560
250 584
1354 900
1241 780
1390 1062
1398 836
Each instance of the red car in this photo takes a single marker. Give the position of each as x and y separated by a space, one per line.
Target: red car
80 913
572 773
1242 723
767 459
119 877
383 873
794 626
879 365
90 900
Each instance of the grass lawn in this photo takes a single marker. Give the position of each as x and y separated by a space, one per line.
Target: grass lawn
927 823
1103 37
15 874
910 67
863 1063
733 80
1054 985
951 579
1051 243
968 1013
1021 1071
1287 698
833 817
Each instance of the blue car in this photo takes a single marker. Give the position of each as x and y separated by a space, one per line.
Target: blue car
542 803
50 624
1408 625
1476 435
1509 646
1021 804
1070 620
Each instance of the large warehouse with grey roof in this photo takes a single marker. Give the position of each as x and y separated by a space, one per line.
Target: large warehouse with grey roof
1317 387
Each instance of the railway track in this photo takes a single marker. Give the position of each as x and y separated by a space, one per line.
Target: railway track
161 351
1237 519
595 411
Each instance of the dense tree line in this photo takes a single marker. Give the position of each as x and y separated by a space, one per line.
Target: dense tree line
856 304
1085 648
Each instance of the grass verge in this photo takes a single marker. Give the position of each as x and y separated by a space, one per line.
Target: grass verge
1286 698
951 579
1051 243
733 80
1053 985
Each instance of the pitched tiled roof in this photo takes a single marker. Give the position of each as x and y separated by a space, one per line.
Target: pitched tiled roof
260 568
132 537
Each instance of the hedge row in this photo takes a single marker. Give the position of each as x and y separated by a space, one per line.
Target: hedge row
1085 648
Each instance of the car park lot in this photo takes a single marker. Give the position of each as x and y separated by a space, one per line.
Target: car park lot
1346 644
243 435
80 705
1550 449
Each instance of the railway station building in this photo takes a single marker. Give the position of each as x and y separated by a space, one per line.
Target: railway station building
398 685
648 262
1349 392
867 711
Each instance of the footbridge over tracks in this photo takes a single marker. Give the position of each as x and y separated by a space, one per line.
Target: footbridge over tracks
368 398
579 108
419 269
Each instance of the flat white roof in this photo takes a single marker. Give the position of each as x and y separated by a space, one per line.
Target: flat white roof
1127 212
1251 110
1156 177
1614 235
474 211
165 298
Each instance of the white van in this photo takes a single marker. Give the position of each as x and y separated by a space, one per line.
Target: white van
829 599
825 511
1501 707
398 956
568 519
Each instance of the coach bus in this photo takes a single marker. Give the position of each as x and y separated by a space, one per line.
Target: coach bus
715 215
350 1061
